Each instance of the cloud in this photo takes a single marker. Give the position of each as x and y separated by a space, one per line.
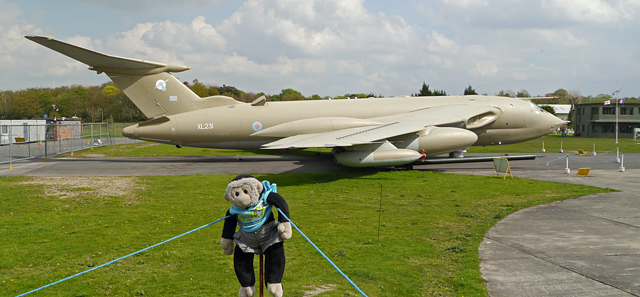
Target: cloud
466 3
143 6
314 27
562 37
438 43
334 47
594 11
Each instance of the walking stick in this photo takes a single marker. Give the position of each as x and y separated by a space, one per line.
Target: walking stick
261 271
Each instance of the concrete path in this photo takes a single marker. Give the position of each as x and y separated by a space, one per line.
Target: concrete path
587 246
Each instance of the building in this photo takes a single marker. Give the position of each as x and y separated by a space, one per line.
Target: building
34 130
561 110
598 120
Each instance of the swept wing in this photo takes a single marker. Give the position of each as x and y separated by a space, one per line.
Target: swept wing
460 116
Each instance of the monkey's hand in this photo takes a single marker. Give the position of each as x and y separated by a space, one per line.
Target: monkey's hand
227 246
285 230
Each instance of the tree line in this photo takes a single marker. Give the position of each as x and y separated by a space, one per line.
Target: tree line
109 104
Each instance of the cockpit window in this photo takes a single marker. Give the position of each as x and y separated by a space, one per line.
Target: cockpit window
535 108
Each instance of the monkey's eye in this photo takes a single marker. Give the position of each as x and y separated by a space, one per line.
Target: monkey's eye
237 194
246 192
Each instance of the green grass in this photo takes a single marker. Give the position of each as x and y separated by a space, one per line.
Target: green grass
569 144
552 144
432 225
148 149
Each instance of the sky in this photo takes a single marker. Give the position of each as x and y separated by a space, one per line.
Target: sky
337 47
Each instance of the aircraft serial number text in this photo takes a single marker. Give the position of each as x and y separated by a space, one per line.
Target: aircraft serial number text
206 126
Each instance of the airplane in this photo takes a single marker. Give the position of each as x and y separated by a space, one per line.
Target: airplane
373 132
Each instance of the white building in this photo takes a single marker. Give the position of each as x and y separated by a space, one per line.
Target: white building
562 110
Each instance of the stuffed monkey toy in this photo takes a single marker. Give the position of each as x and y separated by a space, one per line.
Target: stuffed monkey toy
259 233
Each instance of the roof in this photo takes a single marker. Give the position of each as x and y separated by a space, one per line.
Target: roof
559 108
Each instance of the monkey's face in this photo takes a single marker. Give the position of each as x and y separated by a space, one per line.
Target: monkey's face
241 196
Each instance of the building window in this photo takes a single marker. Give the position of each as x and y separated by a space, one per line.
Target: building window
594 129
5 130
626 110
626 129
608 129
583 127
594 110
608 110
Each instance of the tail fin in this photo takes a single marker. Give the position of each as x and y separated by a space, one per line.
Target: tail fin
149 85
157 95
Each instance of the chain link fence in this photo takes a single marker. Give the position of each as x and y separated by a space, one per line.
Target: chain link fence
21 140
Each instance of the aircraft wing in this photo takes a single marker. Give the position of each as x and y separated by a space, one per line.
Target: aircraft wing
473 116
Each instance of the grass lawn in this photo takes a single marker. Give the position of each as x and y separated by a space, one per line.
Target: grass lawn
432 224
552 144
570 144
149 149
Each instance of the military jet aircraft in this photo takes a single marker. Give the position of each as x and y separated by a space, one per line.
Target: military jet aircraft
363 133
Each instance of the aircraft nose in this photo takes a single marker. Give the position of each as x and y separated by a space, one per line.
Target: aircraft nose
555 123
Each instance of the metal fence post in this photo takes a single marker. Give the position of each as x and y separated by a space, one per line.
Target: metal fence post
27 139
45 142
10 143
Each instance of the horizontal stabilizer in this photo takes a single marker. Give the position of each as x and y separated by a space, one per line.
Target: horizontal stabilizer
106 63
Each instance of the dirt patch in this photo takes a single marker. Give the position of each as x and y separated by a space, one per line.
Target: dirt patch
315 291
67 187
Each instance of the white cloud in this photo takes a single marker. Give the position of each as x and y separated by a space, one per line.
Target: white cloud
598 11
316 27
467 3
439 43
485 68
334 47
562 37
142 6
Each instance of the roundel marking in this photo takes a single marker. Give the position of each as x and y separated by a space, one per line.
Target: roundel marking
257 126
161 85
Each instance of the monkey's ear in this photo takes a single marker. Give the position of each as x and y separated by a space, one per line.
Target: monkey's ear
260 187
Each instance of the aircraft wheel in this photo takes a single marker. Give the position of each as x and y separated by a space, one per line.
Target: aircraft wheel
405 167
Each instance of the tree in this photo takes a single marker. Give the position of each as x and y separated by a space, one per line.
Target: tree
507 93
291 95
199 88
248 97
27 105
562 94
5 96
523 94
96 105
470 91
549 109
574 98
425 91
230 91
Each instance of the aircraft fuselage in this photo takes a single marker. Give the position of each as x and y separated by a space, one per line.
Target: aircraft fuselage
232 126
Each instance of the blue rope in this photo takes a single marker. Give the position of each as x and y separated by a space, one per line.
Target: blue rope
183 234
321 253
116 260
